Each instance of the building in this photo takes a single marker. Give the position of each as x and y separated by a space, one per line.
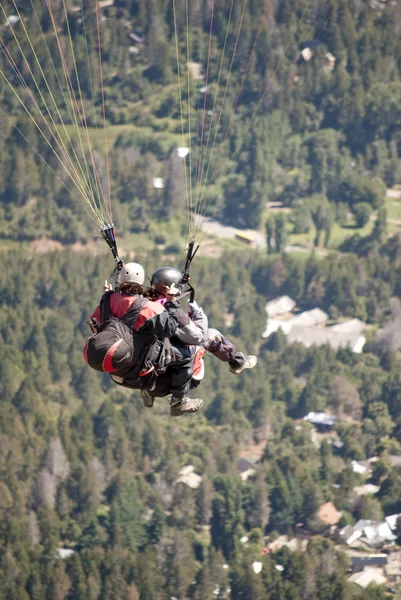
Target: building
349 535
188 477
367 576
279 306
158 183
246 468
361 561
328 514
322 421
247 238
364 490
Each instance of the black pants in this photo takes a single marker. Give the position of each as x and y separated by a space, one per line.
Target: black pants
176 379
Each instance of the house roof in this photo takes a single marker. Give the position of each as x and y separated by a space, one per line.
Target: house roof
349 534
188 477
351 326
374 532
368 488
368 559
320 418
357 467
310 336
368 576
391 520
279 306
311 318
328 514
158 183
243 464
65 552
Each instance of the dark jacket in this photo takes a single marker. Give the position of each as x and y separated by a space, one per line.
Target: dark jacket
153 324
154 319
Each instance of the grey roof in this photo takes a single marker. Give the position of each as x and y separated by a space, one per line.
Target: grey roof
320 418
309 336
368 488
372 575
279 306
395 461
352 326
369 559
311 318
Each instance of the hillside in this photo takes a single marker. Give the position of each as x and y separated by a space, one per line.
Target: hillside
296 137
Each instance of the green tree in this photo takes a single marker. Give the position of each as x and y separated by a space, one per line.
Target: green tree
362 212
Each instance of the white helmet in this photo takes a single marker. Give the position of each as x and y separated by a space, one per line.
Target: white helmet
131 273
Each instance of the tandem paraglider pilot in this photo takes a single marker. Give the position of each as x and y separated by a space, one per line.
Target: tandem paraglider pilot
131 341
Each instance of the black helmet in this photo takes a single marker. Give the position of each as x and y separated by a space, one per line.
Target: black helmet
164 277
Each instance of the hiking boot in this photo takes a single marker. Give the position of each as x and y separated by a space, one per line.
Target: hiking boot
180 406
147 399
249 363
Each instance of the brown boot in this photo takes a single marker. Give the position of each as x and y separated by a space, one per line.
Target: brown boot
249 362
180 406
147 399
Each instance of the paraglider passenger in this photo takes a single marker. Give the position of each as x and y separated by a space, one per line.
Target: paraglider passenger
213 341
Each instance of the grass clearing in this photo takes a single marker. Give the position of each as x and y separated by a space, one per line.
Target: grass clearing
97 138
393 207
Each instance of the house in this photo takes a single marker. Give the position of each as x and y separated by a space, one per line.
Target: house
11 20
309 318
352 326
158 183
245 237
368 576
245 468
306 54
309 336
331 61
322 421
65 553
279 306
375 534
393 567
182 152
357 467
188 477
391 521
293 544
136 38
196 70
257 566
364 490
328 514
349 535
308 328
361 561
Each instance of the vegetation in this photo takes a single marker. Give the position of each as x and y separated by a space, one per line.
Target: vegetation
90 506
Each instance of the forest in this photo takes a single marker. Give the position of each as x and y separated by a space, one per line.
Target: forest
94 501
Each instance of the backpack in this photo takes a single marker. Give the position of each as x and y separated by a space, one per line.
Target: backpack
112 347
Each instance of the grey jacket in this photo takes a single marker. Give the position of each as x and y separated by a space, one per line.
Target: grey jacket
192 328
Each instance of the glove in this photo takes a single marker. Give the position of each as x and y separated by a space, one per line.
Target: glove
193 307
172 304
